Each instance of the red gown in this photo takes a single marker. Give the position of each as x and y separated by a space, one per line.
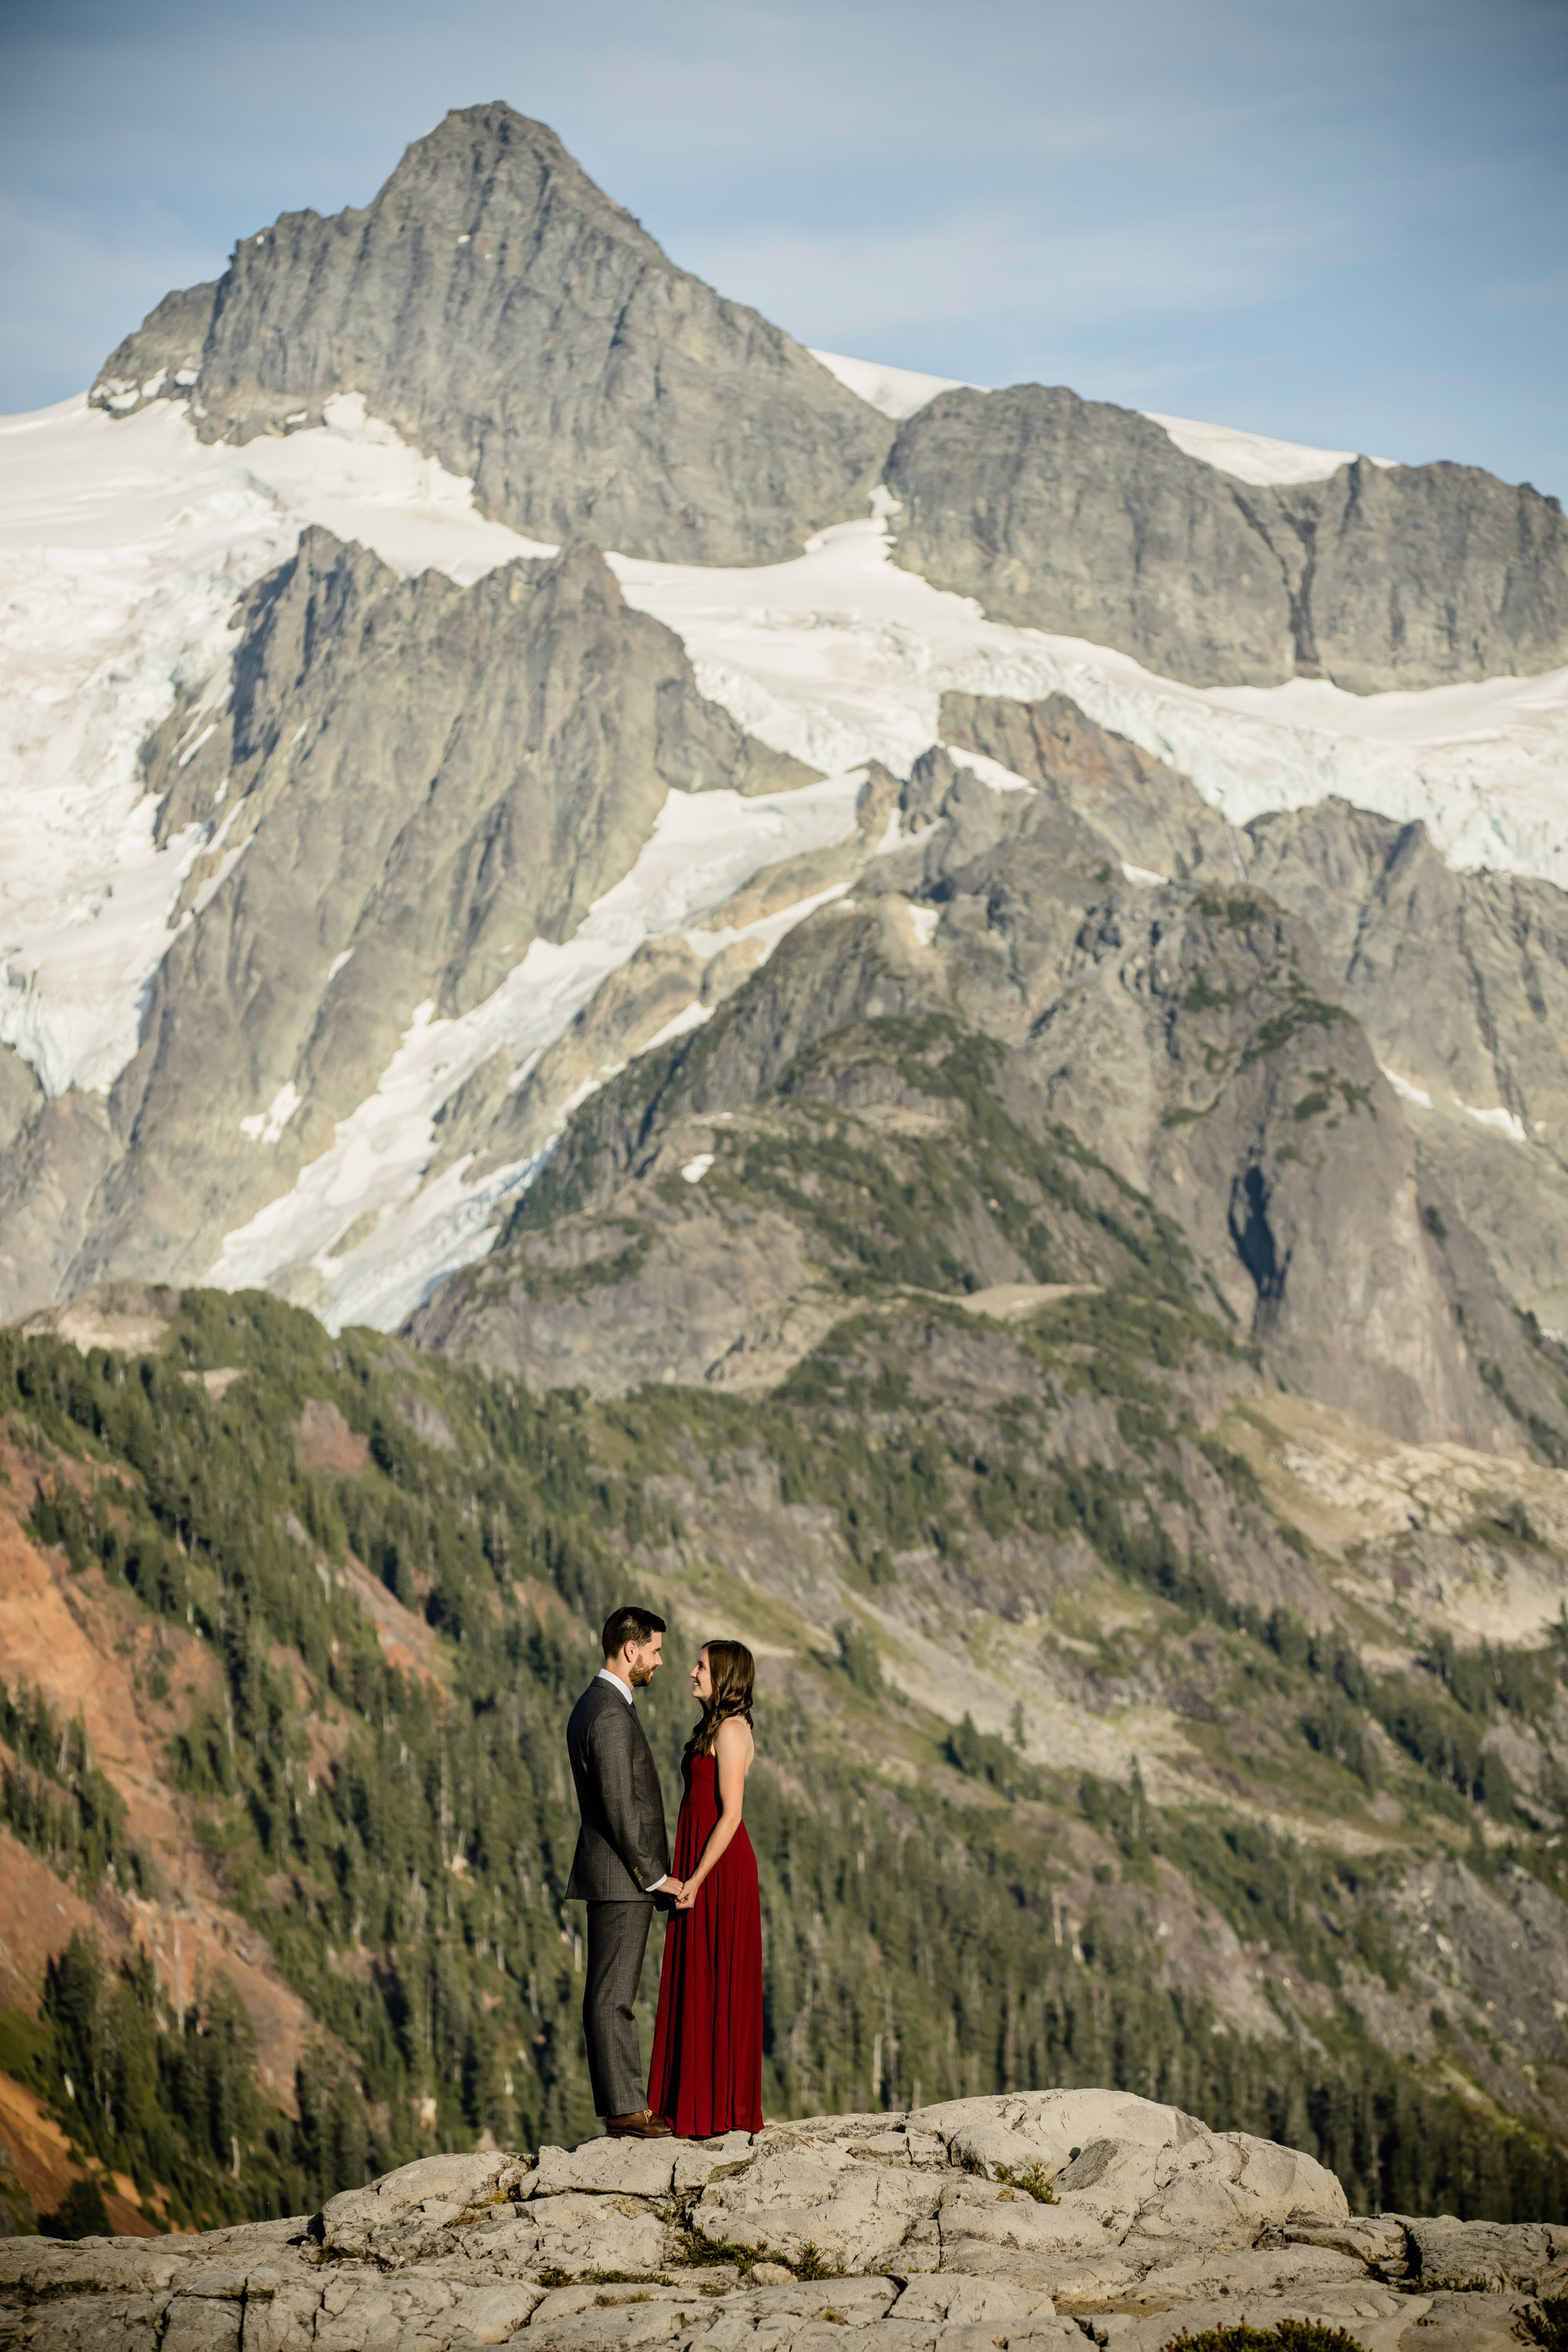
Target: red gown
707 2070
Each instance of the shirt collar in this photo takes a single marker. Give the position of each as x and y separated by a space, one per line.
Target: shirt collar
605 1676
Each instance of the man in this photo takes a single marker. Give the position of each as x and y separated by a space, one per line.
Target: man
620 1863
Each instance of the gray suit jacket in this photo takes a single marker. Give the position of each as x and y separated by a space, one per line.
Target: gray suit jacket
621 1847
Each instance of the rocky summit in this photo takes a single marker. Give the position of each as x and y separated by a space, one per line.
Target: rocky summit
1053 2219
502 313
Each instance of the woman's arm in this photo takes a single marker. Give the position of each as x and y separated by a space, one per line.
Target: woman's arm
732 1755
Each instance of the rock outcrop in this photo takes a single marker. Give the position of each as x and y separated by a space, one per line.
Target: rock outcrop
508 319
1086 520
1053 2219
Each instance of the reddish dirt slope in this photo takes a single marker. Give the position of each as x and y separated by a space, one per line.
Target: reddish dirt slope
91 1651
42 2165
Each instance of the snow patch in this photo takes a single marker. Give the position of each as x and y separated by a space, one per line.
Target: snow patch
841 657
1505 1122
1256 457
206 736
207 891
267 1126
987 771
897 392
1144 876
695 1170
1406 1089
923 921
692 1016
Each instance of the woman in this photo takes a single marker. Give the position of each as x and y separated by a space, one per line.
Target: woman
707 2071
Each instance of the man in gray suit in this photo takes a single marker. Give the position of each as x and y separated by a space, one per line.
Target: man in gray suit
621 1862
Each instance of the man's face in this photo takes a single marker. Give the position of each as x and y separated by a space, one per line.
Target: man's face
644 1663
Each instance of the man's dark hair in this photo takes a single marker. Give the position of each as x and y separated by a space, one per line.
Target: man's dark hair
623 1625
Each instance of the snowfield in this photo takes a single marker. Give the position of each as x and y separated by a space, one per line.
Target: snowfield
123 546
122 549
704 845
840 657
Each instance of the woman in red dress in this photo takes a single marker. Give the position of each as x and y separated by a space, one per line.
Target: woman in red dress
707 2071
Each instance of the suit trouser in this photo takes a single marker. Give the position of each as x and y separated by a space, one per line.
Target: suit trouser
617 1939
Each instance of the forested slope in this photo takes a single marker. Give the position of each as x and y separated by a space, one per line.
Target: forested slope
347 1596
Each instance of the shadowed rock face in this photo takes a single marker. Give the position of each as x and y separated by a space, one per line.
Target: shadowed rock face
507 318
1191 1035
1458 981
933 2226
1085 520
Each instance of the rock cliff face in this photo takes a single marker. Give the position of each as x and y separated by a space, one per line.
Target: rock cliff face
506 317
409 782
1458 981
1087 520
1054 2219
1187 1031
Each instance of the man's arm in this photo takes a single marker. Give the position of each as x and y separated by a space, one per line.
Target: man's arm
609 1744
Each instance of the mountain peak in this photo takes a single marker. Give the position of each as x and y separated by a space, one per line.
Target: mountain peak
498 309
491 158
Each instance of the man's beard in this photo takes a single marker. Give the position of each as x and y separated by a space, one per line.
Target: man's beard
640 1675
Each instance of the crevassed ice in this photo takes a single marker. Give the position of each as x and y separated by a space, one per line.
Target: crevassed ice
840 657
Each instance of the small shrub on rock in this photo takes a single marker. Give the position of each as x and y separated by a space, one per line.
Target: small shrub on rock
1287 2336
1031 2179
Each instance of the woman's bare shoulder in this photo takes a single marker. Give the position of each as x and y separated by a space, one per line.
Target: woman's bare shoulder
734 1738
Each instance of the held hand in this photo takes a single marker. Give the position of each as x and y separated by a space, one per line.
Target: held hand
671 1890
687 1898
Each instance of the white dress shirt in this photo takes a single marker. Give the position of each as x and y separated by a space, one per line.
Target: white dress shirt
616 1683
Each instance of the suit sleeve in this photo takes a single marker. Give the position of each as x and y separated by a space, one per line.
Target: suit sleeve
609 1746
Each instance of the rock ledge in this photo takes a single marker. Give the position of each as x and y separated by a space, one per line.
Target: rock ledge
1043 2219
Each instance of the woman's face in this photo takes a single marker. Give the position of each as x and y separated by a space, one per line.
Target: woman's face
701 1678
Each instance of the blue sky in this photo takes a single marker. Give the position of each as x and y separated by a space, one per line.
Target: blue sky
1344 223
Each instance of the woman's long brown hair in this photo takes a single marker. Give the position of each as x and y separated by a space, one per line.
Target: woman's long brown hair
734 1673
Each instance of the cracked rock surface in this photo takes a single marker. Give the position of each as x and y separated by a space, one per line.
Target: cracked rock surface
1044 2217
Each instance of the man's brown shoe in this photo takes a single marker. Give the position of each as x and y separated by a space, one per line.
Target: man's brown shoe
645 2124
